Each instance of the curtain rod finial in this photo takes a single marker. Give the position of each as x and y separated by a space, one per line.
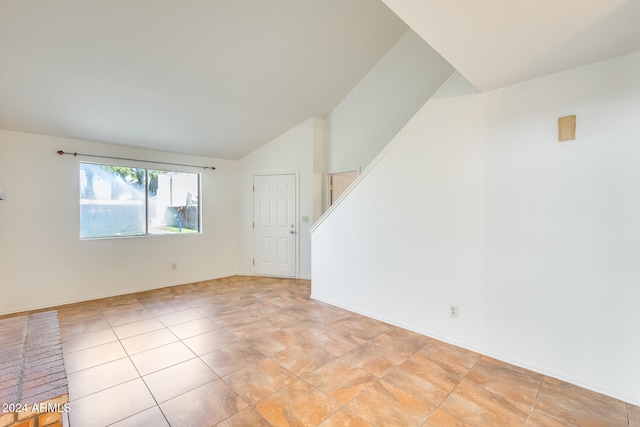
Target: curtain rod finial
60 152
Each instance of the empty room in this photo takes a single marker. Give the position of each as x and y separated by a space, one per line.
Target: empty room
319 213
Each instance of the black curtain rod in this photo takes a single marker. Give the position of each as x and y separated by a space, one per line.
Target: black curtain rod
135 160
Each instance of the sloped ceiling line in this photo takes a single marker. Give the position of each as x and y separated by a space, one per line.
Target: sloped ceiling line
496 43
212 78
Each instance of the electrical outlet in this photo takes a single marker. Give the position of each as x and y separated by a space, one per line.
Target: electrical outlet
453 311
174 266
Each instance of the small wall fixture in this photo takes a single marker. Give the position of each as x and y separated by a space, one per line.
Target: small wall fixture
3 194
566 128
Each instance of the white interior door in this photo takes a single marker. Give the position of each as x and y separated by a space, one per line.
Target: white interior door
274 225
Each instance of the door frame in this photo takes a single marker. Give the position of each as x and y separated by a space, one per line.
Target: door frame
296 222
327 185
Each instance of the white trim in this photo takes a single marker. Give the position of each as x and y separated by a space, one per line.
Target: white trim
327 182
412 122
61 303
482 351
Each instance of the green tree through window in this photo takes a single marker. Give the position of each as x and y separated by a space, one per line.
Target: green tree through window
117 201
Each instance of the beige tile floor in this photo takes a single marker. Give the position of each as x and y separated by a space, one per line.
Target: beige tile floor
246 351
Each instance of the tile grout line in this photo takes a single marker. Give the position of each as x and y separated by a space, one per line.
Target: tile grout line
111 327
535 399
140 377
25 333
458 384
234 290
196 356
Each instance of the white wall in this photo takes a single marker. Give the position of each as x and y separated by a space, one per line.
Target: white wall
383 102
537 242
44 263
300 151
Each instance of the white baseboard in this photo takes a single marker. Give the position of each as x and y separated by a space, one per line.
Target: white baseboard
634 400
59 303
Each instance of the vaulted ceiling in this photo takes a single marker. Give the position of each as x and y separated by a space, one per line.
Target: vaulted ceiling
222 77
209 77
495 43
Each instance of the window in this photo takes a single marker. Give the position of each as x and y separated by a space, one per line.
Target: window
118 201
